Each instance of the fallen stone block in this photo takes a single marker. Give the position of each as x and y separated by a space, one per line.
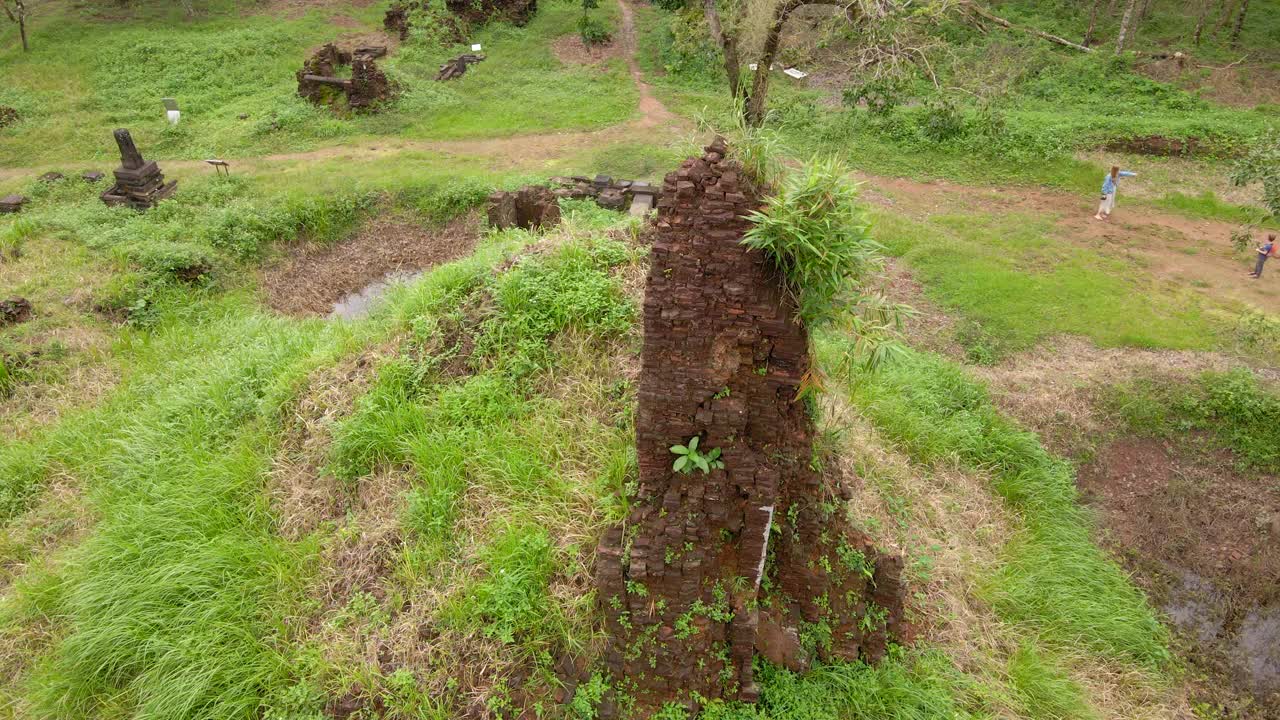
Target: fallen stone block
14 310
457 66
12 203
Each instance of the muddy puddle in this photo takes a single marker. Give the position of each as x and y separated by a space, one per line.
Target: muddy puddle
345 279
1251 647
358 304
1202 537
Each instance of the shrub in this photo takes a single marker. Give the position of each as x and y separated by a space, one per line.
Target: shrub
942 121
1262 165
882 95
593 31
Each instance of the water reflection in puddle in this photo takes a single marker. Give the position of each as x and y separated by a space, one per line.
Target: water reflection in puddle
359 303
1260 647
1196 606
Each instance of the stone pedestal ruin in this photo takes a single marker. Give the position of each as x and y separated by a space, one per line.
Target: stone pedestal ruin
319 83
139 182
530 208
711 568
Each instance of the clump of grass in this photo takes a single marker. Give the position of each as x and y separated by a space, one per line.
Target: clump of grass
816 233
907 685
511 600
15 236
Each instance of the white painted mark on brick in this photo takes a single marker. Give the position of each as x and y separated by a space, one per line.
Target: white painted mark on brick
764 547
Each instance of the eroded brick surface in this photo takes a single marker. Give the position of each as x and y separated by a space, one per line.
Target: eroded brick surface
684 581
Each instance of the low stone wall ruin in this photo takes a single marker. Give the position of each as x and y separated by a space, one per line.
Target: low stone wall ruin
319 83
530 207
479 12
709 569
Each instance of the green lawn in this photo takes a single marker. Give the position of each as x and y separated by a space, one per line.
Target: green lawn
85 77
1009 275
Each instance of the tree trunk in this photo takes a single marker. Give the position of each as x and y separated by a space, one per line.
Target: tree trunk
728 48
1093 21
1146 9
1228 11
1235 33
1124 26
1204 14
760 83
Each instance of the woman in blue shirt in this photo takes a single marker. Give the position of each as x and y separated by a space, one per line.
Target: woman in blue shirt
1109 185
1265 251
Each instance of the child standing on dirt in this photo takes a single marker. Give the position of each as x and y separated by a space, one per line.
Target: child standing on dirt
1109 185
1265 251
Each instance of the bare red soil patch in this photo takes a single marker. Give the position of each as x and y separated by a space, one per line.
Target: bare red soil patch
571 50
1204 539
313 277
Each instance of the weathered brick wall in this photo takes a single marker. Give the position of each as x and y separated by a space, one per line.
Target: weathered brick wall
703 558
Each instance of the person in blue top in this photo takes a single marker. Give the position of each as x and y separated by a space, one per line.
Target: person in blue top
1265 251
1109 185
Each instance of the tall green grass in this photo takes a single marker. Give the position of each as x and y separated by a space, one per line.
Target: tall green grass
165 610
1054 579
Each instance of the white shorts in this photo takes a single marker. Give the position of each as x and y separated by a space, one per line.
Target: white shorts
1108 204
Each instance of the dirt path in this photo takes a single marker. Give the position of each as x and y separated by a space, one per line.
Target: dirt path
1192 253
652 112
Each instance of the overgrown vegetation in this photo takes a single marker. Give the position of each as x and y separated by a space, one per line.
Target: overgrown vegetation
253 516
817 234
924 81
1054 577
1232 407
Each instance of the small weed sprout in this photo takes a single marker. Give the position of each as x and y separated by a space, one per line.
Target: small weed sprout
688 458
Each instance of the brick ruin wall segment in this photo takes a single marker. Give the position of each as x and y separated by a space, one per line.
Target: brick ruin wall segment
711 568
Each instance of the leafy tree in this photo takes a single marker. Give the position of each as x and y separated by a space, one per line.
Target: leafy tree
884 26
1262 164
18 11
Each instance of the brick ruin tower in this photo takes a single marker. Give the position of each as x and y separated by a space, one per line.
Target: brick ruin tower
711 568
